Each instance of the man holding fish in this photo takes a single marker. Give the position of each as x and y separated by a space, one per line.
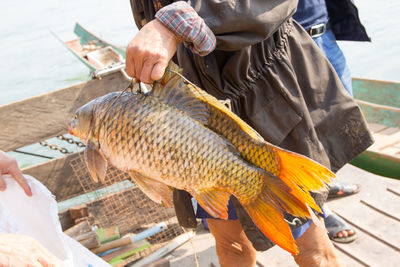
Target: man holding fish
278 83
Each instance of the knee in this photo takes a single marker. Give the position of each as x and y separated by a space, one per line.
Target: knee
235 254
232 245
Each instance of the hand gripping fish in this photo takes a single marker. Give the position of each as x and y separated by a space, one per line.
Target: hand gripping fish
179 136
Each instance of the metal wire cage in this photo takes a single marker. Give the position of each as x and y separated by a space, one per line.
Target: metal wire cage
118 202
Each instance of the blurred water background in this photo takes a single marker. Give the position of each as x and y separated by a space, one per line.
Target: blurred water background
33 61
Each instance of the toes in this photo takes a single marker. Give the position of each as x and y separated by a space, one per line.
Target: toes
341 234
344 233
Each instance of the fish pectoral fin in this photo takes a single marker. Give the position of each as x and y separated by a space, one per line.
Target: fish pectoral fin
155 190
214 201
96 162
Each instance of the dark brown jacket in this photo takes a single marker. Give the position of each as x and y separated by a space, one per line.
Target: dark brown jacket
277 79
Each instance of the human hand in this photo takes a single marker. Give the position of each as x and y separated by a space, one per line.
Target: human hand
149 52
9 165
21 250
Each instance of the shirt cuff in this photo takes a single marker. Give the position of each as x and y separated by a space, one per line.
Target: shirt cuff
184 21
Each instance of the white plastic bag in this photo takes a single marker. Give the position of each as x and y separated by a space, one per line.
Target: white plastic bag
37 216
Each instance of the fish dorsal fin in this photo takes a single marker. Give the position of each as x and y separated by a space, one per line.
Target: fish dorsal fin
217 106
213 104
175 94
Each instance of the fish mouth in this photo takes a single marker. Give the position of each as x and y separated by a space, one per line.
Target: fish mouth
71 130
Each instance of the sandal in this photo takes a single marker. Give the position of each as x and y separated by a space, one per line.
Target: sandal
342 189
334 224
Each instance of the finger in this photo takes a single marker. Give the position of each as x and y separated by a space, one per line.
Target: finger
158 71
146 72
138 68
3 185
129 64
19 177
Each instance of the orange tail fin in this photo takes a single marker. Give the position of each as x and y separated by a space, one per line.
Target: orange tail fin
278 196
296 169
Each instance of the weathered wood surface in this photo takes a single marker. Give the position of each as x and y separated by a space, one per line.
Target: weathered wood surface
373 213
383 157
379 100
387 140
41 117
57 175
377 92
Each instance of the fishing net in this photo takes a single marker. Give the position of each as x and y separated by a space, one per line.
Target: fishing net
118 202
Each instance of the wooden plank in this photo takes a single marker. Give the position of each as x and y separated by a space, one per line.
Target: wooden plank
374 113
389 211
374 208
379 92
348 260
378 234
57 176
65 220
393 191
38 118
394 151
383 229
376 127
369 251
384 139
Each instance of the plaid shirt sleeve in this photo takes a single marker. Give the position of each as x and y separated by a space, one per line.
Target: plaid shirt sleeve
182 19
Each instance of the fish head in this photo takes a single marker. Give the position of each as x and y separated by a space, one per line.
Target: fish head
81 124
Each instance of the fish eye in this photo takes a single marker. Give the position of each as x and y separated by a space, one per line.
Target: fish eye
76 116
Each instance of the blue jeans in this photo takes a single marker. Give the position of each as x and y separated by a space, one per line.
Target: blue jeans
327 43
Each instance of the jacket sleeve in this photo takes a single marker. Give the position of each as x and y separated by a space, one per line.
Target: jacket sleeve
240 23
235 23
184 21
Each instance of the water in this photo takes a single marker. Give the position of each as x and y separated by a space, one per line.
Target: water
33 62
379 59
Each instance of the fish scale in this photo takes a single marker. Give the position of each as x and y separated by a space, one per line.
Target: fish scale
260 155
178 134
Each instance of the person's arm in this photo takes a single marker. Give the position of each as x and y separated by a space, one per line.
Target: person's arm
203 25
9 165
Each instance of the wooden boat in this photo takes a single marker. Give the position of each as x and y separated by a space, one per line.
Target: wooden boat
97 54
380 103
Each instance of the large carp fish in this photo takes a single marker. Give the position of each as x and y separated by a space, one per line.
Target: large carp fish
179 136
